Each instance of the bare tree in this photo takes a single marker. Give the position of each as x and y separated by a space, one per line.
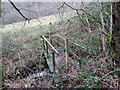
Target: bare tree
116 34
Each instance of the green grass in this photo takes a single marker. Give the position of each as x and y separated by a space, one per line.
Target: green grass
31 25
15 38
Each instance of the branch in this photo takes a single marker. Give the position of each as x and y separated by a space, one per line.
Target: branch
32 12
110 73
76 9
64 3
61 6
18 10
104 32
74 18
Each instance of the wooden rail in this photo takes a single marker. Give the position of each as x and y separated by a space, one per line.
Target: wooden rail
67 51
66 47
77 45
47 43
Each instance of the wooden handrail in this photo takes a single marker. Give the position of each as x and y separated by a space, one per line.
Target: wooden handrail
77 45
73 54
50 45
69 41
66 42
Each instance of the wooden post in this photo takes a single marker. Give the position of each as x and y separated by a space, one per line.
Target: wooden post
66 52
1 77
46 47
53 61
43 44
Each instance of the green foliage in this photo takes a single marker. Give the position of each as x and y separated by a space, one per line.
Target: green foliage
61 50
91 49
70 22
49 57
91 79
109 38
41 52
94 71
87 79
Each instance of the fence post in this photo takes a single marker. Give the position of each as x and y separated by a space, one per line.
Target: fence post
53 61
1 77
66 52
43 44
46 47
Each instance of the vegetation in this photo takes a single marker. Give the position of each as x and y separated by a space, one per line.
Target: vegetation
23 53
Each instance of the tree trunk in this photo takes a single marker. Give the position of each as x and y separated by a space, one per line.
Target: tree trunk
0 9
116 32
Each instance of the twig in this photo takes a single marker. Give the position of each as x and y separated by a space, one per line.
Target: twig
105 33
74 18
76 9
61 6
32 12
23 25
87 20
110 73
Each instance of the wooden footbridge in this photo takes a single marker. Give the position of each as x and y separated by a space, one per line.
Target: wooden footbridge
58 52
56 45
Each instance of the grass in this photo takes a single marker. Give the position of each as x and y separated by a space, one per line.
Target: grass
35 24
31 25
22 46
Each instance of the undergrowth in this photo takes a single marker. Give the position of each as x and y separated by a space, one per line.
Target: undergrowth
24 55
